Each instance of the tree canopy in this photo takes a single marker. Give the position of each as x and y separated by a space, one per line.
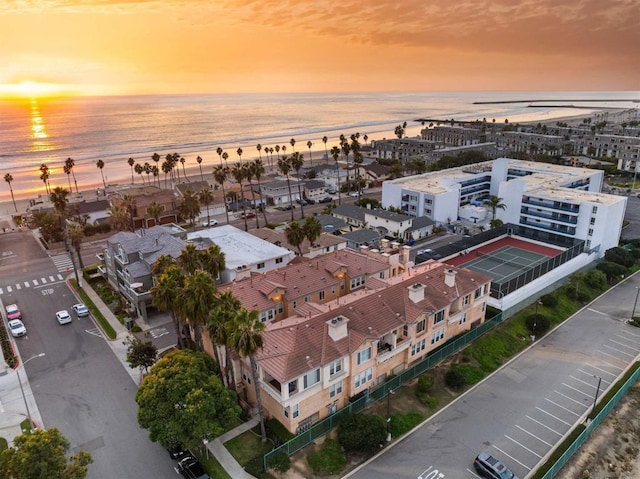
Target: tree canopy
43 453
182 401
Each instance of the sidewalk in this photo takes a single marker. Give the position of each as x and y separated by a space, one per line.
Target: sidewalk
224 457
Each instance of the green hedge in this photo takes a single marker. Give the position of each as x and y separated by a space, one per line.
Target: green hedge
97 315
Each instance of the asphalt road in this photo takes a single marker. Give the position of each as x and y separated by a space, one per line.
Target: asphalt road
520 412
80 386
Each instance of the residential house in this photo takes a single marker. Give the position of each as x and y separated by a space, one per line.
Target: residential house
314 190
365 237
142 197
276 193
325 243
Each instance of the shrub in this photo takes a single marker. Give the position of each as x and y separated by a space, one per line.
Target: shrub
454 379
402 423
620 256
329 459
549 301
361 432
596 279
425 383
612 270
277 432
537 324
280 462
470 374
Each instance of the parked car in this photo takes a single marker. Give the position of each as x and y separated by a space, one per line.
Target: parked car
81 310
331 191
63 317
289 207
301 202
209 223
488 466
17 328
310 201
247 215
191 468
13 312
326 199
354 194
424 251
178 453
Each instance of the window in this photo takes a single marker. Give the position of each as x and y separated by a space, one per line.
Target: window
321 295
590 233
280 308
419 346
278 260
594 210
311 379
438 317
421 326
381 274
356 282
307 299
363 356
333 290
268 315
593 221
466 299
478 293
463 318
295 304
295 410
335 368
437 336
260 266
335 389
363 377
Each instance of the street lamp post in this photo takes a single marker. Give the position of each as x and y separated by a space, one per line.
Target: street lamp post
595 399
633 313
391 392
26 404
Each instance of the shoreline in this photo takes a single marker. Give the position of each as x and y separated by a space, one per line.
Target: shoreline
89 178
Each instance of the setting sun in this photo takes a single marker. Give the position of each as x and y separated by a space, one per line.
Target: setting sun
31 89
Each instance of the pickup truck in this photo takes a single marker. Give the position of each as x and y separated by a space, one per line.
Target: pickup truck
13 312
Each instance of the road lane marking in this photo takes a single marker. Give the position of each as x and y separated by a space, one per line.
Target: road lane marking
9 289
562 407
625 346
601 370
27 284
43 280
586 382
35 282
598 312
554 417
473 473
18 287
629 333
591 375
569 398
534 436
545 426
48 285
1 291
512 458
524 447
588 395
51 278
608 354
618 350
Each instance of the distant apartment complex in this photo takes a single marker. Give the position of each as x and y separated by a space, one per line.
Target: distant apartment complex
555 199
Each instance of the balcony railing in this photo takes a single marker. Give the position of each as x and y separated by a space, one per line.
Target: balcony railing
553 217
556 229
552 205
387 353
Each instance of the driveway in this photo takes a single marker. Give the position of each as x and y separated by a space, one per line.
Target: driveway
521 411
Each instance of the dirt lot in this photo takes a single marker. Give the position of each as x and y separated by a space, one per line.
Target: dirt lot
612 450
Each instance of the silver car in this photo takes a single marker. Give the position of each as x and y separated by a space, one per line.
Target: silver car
17 328
81 310
63 317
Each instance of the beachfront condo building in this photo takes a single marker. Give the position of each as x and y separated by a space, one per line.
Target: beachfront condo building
553 199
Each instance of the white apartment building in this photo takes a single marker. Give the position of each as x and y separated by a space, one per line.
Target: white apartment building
555 199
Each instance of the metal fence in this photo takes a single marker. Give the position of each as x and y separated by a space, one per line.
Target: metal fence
559 464
380 392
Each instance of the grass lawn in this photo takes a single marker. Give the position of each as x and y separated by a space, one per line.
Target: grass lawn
247 446
3 444
210 464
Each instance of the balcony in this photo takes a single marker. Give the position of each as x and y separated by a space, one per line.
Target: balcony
387 351
556 229
552 205
553 216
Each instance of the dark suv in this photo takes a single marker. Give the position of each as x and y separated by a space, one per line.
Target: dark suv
191 468
489 466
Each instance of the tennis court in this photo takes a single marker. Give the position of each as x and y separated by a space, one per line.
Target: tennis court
503 263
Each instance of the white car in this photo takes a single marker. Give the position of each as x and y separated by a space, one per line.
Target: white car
209 223
63 317
81 310
17 328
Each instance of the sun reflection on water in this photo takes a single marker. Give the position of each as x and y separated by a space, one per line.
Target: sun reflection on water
38 131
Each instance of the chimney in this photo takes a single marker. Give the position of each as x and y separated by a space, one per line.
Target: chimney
364 248
450 277
404 255
384 243
416 292
338 328
243 272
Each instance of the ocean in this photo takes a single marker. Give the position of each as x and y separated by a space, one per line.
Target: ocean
115 128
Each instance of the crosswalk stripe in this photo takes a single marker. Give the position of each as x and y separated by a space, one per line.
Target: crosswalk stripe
26 284
1 291
51 278
18 287
44 280
9 289
35 282
60 278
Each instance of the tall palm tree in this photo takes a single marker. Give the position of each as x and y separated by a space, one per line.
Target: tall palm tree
212 261
189 259
309 145
166 169
345 148
225 155
365 138
285 167
246 337
295 235
248 173
258 171
284 149
335 152
238 173
154 210
139 169
119 218
67 171
277 150
70 163
217 325
297 162
206 196
9 178
494 203
162 264
156 159
324 140
100 165
147 170
219 152
199 160
129 203
131 162
189 207
76 233
293 144
220 175
199 297
182 162
312 228
156 174
259 148
44 176
166 296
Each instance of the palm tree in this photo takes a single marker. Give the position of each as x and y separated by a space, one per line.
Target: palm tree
258 171
199 160
297 162
220 175
335 152
357 161
365 138
76 233
156 159
284 149
44 176
166 296
259 148
119 218
162 264
248 170
189 259
293 144
189 207
156 174
206 196
494 203
198 298
309 145
295 235
277 149
70 163
312 228
8 178
285 166
239 152
217 325
147 170
131 162
183 161
225 155
166 169
238 173
219 152
139 169
324 140
100 165
246 337
129 203
154 210
212 261
59 198
67 170
346 148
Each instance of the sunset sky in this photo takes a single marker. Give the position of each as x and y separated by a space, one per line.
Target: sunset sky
98 47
